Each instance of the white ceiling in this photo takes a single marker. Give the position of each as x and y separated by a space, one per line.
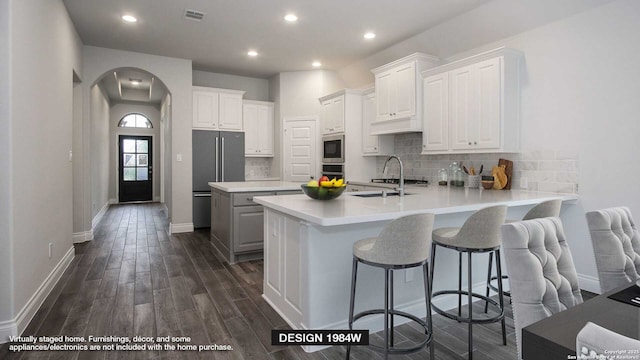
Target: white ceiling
330 31
121 86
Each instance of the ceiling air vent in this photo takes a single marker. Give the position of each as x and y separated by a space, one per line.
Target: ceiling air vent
193 15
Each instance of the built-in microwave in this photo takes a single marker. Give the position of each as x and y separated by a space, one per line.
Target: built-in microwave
333 149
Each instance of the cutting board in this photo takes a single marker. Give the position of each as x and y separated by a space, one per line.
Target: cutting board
508 170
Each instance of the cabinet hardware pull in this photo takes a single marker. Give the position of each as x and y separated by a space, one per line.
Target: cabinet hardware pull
469 142
475 143
250 199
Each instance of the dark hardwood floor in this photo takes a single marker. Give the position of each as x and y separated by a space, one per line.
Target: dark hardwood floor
133 279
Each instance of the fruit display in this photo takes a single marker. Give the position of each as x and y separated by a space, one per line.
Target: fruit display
324 189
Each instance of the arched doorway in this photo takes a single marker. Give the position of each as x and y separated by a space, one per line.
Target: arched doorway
127 136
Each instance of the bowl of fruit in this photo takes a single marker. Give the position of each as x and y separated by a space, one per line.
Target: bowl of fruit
324 189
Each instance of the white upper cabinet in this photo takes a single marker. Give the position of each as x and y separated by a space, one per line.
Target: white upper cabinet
258 128
472 105
332 114
373 144
435 134
398 88
217 109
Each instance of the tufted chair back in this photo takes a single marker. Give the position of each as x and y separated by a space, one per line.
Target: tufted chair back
616 244
596 342
542 276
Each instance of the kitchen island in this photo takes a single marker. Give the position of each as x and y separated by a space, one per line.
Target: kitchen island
236 221
308 250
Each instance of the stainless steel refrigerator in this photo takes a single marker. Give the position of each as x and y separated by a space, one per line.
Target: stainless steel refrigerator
217 156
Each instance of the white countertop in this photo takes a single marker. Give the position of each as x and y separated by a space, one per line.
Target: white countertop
350 209
250 186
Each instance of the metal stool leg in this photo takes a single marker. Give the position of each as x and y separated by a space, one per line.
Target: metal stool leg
354 271
433 265
459 284
470 304
427 298
501 296
486 303
386 313
391 307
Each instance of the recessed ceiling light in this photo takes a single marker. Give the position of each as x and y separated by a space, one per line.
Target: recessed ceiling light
316 64
369 35
135 82
252 53
129 18
291 18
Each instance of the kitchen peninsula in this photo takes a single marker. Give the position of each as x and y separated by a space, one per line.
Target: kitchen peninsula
308 250
236 221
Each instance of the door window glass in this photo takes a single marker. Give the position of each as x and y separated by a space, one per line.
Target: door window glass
136 121
135 159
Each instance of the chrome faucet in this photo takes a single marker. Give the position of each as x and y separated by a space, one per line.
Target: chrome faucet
401 184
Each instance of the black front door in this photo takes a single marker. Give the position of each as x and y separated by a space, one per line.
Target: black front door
135 168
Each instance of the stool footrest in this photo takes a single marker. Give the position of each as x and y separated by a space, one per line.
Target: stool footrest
398 350
495 288
463 319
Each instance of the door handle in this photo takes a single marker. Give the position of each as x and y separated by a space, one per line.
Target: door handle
201 195
222 165
217 147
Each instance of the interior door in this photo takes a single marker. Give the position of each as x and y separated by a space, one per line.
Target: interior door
135 170
300 155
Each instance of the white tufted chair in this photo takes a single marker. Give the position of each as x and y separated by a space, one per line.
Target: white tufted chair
542 276
596 342
616 244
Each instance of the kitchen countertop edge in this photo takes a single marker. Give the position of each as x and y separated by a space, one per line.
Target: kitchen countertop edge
251 186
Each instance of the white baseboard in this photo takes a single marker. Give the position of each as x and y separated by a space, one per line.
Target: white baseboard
113 201
589 283
180 228
96 219
156 199
165 209
80 237
17 325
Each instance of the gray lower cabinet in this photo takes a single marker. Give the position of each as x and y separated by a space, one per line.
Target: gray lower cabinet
237 230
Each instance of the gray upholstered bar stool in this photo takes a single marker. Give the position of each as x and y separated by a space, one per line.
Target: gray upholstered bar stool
403 243
480 233
549 208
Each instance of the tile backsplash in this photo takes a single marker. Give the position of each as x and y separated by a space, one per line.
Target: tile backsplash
544 170
257 168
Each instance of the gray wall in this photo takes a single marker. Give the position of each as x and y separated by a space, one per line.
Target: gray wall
117 112
165 115
99 150
37 130
6 265
255 89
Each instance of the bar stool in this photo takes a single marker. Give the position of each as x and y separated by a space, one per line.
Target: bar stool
480 233
404 243
549 208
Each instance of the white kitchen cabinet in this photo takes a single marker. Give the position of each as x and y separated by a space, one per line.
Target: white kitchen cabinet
373 145
472 105
398 88
332 114
258 128
435 134
217 109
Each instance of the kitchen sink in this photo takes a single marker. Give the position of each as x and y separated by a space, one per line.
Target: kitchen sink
378 194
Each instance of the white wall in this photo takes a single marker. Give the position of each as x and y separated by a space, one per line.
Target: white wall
176 75
255 89
298 94
579 101
117 112
38 136
99 149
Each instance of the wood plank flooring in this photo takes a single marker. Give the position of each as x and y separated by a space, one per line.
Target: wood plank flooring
134 279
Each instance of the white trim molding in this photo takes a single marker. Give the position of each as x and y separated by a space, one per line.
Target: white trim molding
180 228
83 236
17 325
96 219
589 283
